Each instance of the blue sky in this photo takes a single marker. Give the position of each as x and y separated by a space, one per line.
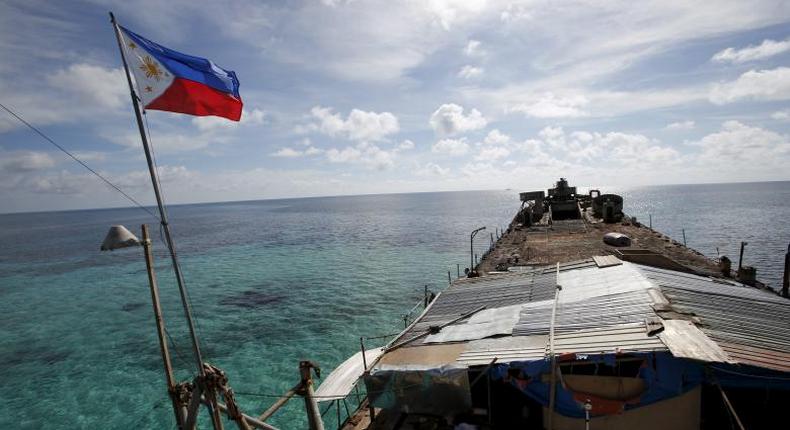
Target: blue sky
352 97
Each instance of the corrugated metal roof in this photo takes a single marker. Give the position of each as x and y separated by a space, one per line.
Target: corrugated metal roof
604 309
750 325
494 291
620 338
504 349
591 297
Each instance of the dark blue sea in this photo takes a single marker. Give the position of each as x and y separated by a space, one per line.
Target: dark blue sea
273 282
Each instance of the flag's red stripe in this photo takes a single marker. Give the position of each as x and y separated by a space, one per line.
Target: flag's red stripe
194 98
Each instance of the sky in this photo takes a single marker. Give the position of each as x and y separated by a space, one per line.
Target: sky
357 97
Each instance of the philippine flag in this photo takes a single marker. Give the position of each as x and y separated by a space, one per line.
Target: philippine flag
171 81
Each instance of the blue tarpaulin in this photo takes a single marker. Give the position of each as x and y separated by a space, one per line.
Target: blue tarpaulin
663 375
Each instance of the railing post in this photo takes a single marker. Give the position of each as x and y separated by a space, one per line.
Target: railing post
160 329
313 413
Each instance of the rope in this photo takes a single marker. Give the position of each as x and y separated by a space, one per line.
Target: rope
177 352
198 328
74 157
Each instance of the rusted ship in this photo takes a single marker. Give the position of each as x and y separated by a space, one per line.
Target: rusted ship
580 317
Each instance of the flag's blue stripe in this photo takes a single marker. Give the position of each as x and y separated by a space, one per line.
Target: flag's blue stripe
188 67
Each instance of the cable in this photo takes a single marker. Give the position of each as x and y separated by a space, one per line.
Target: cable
770 378
177 354
48 139
389 390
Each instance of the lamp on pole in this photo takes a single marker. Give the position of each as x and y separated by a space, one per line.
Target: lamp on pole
472 248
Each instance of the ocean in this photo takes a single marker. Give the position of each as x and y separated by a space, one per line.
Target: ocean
274 282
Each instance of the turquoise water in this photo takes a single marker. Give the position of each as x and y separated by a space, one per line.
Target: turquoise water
271 282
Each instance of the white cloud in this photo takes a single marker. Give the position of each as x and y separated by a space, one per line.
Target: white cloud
766 49
25 161
406 145
781 115
449 119
77 92
771 84
496 137
288 153
470 72
165 142
93 85
294 153
515 12
613 147
312 150
550 106
554 136
492 153
359 125
680 125
248 117
433 169
449 12
737 143
453 147
473 48
367 155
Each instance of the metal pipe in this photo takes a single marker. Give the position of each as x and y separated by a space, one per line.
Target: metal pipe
587 409
311 405
279 403
337 404
786 277
483 372
194 406
472 247
553 387
684 236
364 359
248 419
421 335
740 258
458 270
160 327
213 404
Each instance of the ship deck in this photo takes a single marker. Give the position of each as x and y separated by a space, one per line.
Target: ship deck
572 240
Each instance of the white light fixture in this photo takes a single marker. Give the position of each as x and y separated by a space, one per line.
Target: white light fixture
119 237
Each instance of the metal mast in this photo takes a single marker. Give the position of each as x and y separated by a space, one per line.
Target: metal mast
162 213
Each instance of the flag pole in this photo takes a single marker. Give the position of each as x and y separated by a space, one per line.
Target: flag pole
162 213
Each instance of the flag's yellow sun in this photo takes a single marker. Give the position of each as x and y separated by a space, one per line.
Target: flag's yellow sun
151 68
